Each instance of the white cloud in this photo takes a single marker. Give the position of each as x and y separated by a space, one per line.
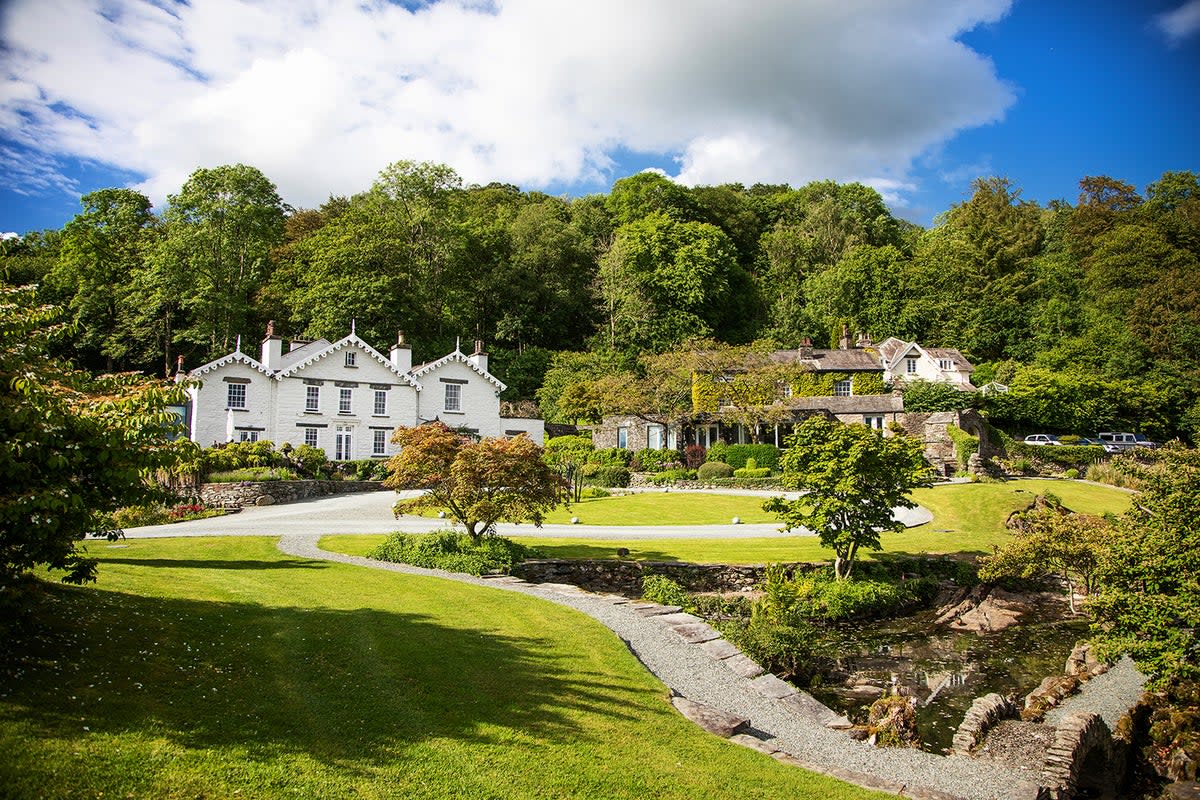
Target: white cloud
1180 24
322 94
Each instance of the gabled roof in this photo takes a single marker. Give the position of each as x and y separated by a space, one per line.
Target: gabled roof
893 350
236 357
298 354
458 356
960 361
313 352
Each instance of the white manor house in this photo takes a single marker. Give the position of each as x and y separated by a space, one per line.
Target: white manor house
344 397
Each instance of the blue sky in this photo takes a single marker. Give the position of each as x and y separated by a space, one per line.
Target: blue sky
915 98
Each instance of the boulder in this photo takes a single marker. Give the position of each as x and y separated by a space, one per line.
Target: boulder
994 611
1083 663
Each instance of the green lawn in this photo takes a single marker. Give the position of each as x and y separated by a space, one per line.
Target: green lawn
220 668
664 508
968 520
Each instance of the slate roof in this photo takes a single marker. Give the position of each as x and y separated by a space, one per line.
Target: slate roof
857 404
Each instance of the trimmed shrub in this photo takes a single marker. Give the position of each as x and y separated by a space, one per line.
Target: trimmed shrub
751 470
711 470
673 475
764 455
694 455
611 476
718 451
611 457
453 551
1062 455
253 474
649 460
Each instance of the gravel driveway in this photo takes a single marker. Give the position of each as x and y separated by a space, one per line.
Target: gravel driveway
371 512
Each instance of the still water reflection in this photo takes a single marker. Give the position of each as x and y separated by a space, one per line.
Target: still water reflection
945 670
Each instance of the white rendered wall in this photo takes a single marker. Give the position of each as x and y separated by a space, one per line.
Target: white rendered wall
212 421
480 403
535 428
291 417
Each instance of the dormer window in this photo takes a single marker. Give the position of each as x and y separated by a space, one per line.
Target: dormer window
945 364
910 365
350 356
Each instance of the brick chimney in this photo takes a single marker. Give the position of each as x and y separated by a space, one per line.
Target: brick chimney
272 349
805 351
479 358
844 344
401 354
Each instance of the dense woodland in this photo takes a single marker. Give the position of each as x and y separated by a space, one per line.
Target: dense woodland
1090 311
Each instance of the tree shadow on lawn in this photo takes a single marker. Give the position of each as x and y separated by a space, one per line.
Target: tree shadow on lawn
216 563
638 548
340 685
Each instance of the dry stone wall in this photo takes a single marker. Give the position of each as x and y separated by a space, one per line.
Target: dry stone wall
264 493
625 577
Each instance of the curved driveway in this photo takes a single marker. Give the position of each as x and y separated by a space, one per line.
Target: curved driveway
371 512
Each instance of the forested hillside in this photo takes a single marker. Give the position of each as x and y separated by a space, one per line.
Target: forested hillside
1092 307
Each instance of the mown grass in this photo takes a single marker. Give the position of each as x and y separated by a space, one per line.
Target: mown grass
220 668
968 520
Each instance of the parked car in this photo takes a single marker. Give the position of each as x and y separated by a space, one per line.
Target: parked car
1126 440
1042 439
1109 447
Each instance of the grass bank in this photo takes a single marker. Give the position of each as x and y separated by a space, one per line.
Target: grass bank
222 668
968 519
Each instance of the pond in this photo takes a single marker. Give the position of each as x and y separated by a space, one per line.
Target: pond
944 669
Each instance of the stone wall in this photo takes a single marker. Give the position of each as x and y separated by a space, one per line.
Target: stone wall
625 577
265 493
1083 757
983 715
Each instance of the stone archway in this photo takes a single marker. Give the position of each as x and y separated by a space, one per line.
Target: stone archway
1084 758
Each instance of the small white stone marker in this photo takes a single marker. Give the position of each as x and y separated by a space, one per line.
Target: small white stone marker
737 520
574 520
441 515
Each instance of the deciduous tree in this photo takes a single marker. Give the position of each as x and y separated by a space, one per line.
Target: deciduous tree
73 448
1053 541
1148 604
215 256
477 483
852 478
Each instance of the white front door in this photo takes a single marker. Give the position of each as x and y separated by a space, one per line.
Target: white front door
343 448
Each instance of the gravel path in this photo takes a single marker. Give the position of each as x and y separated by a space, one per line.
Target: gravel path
690 671
1110 695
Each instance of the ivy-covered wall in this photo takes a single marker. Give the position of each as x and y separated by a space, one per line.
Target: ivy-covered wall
820 384
745 390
